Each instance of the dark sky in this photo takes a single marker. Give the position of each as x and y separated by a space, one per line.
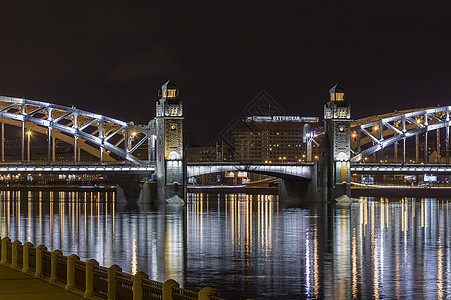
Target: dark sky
111 57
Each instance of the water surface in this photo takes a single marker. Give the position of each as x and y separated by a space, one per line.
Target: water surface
250 246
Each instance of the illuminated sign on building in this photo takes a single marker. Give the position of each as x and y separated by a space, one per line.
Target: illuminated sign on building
285 119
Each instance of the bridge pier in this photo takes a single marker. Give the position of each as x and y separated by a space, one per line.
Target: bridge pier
298 191
137 189
319 189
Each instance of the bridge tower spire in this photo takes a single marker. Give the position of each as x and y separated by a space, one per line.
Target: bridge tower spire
334 164
171 163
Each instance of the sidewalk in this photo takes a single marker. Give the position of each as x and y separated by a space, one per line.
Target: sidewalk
16 285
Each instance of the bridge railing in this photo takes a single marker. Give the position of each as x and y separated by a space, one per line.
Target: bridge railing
71 163
90 279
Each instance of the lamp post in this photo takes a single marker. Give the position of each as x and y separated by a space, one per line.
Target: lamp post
28 145
131 138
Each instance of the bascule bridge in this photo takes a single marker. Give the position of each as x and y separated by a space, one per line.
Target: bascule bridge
136 153
131 153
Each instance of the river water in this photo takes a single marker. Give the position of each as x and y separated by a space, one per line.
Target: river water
250 246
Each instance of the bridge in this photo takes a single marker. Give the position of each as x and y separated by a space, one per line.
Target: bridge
103 144
400 169
376 133
349 146
276 170
107 145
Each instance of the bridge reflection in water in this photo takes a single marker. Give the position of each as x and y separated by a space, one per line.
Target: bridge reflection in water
250 245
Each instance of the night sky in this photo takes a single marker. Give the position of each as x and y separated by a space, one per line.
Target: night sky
111 57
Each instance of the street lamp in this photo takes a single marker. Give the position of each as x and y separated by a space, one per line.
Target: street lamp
28 145
131 139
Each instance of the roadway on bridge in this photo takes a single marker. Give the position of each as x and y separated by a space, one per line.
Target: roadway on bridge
17 285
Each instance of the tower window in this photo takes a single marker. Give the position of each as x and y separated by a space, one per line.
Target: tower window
171 93
337 96
173 111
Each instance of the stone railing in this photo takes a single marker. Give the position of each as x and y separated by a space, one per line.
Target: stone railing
90 279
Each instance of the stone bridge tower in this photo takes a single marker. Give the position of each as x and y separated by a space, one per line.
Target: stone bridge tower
335 149
171 163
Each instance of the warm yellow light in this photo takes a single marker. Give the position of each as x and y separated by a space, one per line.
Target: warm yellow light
354 134
28 133
134 133
171 93
284 157
280 157
316 156
376 127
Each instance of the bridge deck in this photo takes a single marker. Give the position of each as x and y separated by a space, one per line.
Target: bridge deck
401 169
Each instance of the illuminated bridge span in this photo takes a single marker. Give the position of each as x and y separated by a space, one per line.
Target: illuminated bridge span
117 146
399 169
79 169
277 170
106 138
373 134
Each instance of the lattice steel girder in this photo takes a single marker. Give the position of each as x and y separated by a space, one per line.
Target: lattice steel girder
431 117
76 122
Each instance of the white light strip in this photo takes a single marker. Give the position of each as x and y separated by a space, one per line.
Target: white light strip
74 169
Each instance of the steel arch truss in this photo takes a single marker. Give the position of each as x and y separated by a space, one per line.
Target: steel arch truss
372 134
101 135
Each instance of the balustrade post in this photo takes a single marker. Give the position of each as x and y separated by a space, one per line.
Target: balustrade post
54 265
4 253
90 277
112 281
39 264
138 285
167 289
15 249
205 293
26 257
70 282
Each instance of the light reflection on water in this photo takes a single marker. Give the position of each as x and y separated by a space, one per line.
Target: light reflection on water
250 246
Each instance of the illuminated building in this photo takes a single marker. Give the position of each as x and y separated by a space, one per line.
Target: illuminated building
275 139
